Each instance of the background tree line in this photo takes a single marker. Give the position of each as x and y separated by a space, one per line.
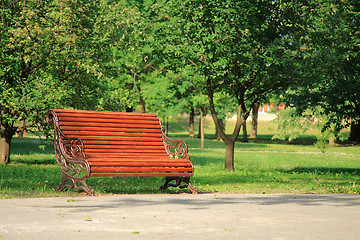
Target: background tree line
170 57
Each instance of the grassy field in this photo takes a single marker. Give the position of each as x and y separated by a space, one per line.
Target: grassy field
262 165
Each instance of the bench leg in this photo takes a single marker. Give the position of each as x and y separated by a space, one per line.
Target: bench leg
178 184
75 181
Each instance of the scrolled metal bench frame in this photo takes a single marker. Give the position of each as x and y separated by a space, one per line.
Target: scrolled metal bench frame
71 158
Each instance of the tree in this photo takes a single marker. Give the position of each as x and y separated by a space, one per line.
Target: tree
135 65
332 69
48 58
255 117
246 49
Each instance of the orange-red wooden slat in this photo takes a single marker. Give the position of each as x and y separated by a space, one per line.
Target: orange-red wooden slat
114 125
124 155
129 143
141 174
61 112
125 162
138 164
110 115
151 158
85 121
116 148
110 129
125 139
139 169
112 134
143 151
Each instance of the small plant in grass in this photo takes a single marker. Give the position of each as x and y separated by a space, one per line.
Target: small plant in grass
324 139
322 142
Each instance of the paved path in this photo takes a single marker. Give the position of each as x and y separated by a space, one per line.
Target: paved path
183 216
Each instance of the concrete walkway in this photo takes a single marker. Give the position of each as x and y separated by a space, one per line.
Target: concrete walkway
183 216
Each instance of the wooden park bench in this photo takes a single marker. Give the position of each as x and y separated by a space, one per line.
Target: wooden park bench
116 144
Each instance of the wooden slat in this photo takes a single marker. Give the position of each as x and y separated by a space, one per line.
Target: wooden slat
151 155
85 121
141 174
109 129
110 148
128 143
136 163
91 139
113 125
107 115
63 112
140 169
143 151
112 134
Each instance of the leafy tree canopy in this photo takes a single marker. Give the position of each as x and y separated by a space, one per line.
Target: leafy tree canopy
331 49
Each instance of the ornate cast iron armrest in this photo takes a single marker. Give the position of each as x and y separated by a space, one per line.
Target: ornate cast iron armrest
69 151
176 148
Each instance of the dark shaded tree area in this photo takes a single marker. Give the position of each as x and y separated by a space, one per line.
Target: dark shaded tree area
331 65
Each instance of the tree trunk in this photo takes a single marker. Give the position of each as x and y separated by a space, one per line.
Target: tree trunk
6 135
222 124
191 123
229 155
202 135
255 117
245 137
142 101
355 132
229 140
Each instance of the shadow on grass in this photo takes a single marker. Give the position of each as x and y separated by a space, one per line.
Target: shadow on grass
267 139
45 161
261 139
322 170
28 151
30 145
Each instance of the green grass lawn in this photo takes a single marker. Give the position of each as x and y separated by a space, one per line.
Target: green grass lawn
261 166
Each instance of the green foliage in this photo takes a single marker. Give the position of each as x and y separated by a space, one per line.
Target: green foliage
331 67
48 57
237 45
291 125
243 50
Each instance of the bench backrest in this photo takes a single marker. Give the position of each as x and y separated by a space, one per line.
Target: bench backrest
114 132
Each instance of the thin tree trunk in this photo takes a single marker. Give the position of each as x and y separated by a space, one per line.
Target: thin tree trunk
141 100
199 130
222 123
255 117
202 135
191 123
245 137
229 140
229 155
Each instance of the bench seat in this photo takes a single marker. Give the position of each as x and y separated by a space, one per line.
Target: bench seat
116 144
